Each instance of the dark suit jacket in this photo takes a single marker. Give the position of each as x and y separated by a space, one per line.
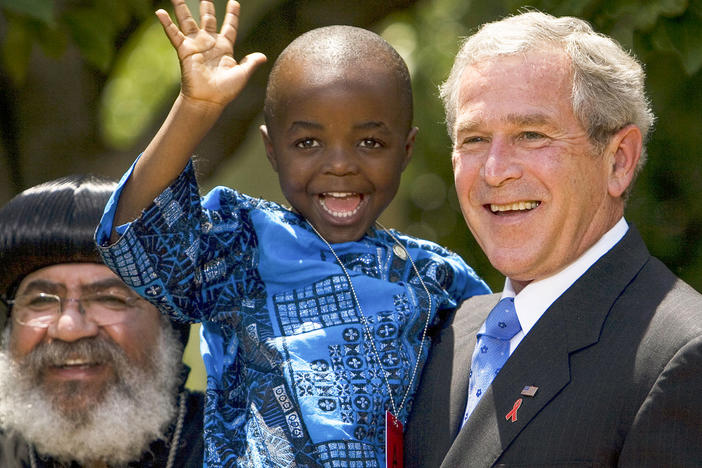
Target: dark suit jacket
617 360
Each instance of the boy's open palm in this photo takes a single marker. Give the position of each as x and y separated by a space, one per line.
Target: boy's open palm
209 71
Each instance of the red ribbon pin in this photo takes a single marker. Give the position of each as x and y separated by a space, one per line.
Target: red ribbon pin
512 415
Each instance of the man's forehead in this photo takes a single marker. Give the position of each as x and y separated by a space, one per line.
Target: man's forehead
84 276
534 63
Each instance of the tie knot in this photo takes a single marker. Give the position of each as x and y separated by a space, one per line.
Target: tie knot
502 323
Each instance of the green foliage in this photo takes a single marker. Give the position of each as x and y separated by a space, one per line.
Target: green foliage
41 10
144 76
93 27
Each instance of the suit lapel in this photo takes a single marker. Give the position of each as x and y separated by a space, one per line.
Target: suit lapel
542 359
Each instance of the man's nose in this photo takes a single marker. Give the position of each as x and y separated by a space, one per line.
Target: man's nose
500 165
72 324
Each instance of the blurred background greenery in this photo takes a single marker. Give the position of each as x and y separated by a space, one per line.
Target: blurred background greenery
85 84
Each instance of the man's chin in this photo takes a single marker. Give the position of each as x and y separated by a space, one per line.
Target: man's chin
76 393
76 401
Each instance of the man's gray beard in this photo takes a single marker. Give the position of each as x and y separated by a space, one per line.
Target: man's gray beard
133 412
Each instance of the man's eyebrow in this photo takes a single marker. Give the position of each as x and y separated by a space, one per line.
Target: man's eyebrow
42 285
467 125
536 118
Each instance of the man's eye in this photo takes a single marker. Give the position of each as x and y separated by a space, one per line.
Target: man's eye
307 143
370 143
111 301
532 135
41 301
471 140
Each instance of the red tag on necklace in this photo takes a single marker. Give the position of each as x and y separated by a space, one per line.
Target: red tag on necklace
394 441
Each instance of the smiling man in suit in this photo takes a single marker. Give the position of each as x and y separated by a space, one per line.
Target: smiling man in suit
593 356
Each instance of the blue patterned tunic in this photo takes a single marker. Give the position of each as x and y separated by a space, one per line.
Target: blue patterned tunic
292 379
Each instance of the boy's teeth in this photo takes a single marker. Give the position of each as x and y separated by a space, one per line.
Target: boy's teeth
341 204
516 206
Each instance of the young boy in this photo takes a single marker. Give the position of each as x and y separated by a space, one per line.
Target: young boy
314 320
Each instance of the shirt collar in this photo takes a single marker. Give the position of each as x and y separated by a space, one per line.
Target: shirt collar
537 296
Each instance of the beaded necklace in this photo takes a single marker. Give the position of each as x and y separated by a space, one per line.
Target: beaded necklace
399 249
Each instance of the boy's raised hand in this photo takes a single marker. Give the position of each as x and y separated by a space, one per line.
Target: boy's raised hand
211 78
208 68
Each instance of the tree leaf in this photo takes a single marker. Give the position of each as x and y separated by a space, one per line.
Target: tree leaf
16 47
145 74
94 34
683 36
42 10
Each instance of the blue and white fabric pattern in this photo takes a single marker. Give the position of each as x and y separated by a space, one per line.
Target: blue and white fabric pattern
291 376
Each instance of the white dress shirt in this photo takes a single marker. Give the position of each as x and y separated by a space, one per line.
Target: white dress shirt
532 301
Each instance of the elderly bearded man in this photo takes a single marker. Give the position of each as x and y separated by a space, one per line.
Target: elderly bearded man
90 375
594 355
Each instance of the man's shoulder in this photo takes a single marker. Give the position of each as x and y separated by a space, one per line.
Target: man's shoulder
474 310
679 309
479 302
657 281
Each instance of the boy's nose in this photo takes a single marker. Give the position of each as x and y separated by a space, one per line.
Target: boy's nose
340 162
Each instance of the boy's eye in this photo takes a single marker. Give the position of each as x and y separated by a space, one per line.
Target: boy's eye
370 143
307 143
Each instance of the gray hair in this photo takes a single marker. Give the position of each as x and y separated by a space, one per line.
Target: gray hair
608 82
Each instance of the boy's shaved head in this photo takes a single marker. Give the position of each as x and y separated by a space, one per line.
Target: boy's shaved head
346 49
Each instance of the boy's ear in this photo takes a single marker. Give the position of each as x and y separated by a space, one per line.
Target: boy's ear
625 146
409 146
268 144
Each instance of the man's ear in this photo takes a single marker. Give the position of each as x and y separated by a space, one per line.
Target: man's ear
268 144
625 146
409 146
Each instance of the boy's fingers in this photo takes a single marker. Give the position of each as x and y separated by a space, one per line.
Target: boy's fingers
208 18
185 19
172 32
230 25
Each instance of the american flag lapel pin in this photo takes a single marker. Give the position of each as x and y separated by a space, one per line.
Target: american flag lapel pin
527 391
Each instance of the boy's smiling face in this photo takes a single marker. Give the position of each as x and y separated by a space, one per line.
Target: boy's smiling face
339 141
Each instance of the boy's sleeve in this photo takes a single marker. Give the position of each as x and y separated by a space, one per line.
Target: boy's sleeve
160 254
466 282
104 229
